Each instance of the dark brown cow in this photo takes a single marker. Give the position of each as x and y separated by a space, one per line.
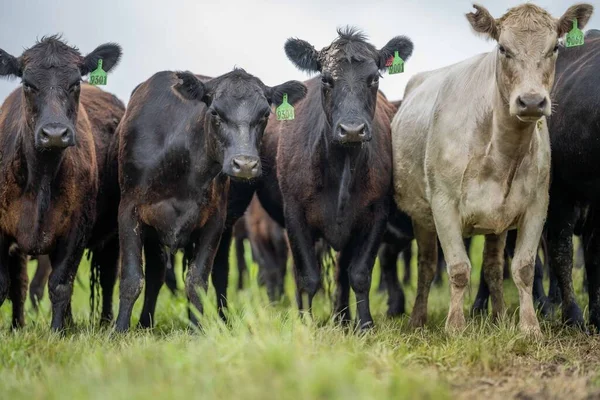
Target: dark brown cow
104 112
334 164
180 140
269 248
49 166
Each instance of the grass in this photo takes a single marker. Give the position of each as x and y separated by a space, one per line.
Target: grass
269 352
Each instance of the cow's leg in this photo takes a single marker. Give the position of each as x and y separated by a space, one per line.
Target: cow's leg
385 252
553 289
241 261
107 258
539 295
302 244
427 262
448 226
480 305
17 269
560 226
4 268
523 263
281 268
155 271
591 240
220 271
201 261
64 260
363 249
132 275
441 264
493 263
39 281
341 307
388 259
274 273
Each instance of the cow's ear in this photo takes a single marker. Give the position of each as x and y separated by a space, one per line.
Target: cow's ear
401 44
295 91
579 12
482 22
189 86
9 65
303 55
109 53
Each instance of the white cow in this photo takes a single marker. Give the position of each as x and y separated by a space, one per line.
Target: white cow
472 156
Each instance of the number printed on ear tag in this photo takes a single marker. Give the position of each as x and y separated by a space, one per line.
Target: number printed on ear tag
285 112
574 37
98 76
395 64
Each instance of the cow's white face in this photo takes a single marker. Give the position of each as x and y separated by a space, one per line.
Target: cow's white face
527 37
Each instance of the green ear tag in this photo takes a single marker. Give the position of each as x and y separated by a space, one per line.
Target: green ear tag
285 111
575 36
98 76
397 64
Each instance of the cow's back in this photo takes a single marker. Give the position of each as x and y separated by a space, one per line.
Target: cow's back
575 122
104 111
438 122
155 134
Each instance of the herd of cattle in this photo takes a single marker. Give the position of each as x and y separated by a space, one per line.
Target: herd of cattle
466 152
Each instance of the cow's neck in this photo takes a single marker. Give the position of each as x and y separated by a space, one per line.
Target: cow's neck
509 143
207 149
40 168
339 166
511 138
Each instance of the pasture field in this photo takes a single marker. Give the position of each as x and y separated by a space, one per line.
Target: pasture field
269 352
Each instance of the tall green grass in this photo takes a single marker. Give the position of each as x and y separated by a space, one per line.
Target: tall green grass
266 351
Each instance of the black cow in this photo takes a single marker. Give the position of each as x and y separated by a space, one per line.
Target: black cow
55 138
333 165
575 139
180 140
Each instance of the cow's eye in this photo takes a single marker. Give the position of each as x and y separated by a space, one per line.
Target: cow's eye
327 81
215 116
502 50
28 87
375 80
75 86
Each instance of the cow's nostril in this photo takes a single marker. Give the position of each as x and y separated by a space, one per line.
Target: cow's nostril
521 103
543 103
55 132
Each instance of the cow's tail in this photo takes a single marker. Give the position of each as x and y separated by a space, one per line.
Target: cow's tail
327 267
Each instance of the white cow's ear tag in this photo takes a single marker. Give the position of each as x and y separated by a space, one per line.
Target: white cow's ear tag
575 36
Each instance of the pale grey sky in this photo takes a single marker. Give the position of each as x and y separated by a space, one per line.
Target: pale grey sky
212 37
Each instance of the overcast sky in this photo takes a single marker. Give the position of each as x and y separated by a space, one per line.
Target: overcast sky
212 37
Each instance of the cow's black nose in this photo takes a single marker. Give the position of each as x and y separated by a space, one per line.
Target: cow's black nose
353 133
55 136
245 167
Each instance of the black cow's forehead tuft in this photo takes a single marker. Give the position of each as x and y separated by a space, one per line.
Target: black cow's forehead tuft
351 45
237 84
51 51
